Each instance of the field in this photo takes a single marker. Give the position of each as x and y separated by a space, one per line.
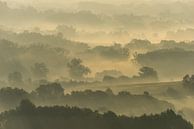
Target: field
137 88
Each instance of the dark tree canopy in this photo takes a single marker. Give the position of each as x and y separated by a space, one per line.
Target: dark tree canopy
170 63
27 116
50 90
15 79
188 81
108 78
113 52
40 70
26 106
148 73
10 97
76 69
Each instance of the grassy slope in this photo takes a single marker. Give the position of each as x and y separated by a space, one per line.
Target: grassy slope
133 88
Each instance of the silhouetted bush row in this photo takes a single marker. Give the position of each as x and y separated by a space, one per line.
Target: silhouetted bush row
53 94
28 116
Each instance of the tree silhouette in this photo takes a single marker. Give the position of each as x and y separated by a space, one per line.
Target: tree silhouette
50 90
148 73
26 106
77 70
27 116
40 70
15 79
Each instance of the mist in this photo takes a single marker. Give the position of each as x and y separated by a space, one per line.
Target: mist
88 64
101 22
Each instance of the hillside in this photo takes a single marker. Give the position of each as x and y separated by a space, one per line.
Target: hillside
27 116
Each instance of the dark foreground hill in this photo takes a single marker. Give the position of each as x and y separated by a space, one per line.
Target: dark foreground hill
28 116
53 94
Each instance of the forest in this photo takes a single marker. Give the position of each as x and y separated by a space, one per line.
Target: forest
88 64
27 115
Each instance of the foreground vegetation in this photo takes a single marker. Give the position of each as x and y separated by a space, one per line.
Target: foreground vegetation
53 94
28 116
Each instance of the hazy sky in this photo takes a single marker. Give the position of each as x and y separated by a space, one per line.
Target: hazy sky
63 3
105 23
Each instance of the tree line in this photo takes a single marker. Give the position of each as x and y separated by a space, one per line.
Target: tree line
28 116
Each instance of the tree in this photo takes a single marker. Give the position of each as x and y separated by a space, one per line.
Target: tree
109 79
67 31
109 91
15 79
113 73
148 73
76 69
124 93
186 80
10 97
26 106
192 80
59 117
146 93
51 90
40 70
113 52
